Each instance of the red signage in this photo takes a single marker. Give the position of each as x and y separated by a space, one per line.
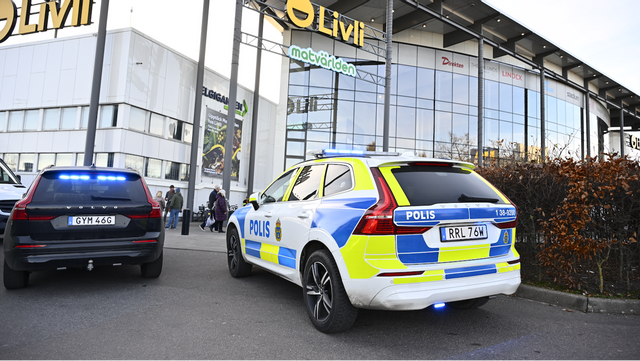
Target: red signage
446 61
511 75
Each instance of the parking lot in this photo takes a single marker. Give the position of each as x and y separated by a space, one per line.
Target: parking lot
195 310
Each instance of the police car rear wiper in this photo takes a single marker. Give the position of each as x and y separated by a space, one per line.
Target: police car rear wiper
467 198
111 198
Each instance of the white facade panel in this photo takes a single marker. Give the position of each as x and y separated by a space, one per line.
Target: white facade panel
44 144
132 142
39 62
427 58
7 91
61 142
21 90
70 54
52 74
408 54
11 62
66 86
36 85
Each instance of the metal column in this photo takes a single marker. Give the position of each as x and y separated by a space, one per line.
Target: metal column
95 87
197 111
233 95
543 130
254 114
387 77
621 129
587 120
480 101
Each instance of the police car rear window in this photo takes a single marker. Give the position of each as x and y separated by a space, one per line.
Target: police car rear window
64 187
428 185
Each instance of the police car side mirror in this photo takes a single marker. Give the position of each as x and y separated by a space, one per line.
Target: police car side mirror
253 199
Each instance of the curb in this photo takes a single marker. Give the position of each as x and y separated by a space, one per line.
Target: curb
579 302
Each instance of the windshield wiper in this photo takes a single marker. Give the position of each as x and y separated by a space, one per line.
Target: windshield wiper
467 198
110 198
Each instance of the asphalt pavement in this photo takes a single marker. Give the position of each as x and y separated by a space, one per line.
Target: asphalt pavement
198 240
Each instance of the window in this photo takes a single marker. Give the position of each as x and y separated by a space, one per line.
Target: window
31 119
156 124
337 179
51 119
64 159
175 129
80 159
104 160
108 116
307 183
45 160
137 119
188 132
184 172
3 120
26 162
172 171
276 191
68 120
84 118
134 162
153 168
12 161
15 121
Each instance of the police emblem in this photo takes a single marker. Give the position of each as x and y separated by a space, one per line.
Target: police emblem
506 237
278 231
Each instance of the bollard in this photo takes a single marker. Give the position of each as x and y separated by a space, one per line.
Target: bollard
186 217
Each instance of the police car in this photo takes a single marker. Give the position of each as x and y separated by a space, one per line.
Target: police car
389 232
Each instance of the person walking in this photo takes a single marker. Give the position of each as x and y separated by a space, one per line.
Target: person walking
175 208
212 200
167 198
220 210
158 198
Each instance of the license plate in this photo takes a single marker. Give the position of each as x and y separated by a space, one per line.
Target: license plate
92 220
463 233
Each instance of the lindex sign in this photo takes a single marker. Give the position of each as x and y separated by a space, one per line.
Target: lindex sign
77 11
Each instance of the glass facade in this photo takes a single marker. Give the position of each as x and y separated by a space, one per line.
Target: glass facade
433 111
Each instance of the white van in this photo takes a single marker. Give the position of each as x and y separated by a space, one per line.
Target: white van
11 190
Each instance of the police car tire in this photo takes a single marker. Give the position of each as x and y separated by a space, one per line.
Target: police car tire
152 269
237 266
472 303
14 279
342 314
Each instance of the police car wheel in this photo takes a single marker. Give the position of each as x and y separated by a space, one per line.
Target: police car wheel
237 266
14 279
472 303
326 300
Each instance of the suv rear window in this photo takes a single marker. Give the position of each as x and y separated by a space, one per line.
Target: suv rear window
428 185
95 187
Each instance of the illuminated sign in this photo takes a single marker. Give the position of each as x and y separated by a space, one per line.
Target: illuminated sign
322 59
338 29
58 13
634 142
241 108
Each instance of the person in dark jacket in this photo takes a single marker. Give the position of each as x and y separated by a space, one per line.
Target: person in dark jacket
220 210
212 200
175 208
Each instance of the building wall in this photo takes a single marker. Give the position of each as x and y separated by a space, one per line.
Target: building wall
140 76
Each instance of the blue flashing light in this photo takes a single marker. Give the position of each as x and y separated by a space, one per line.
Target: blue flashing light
64 176
86 177
438 305
101 177
343 151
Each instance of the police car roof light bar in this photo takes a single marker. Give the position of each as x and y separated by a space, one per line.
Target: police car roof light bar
332 152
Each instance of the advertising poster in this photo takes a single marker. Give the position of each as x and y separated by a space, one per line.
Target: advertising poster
215 135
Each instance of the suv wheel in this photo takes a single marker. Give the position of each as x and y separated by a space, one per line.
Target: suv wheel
237 266
472 303
152 269
14 279
326 301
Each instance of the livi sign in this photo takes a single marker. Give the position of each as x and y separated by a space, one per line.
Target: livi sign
56 11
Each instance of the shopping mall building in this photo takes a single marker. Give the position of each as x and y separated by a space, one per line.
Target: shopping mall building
332 95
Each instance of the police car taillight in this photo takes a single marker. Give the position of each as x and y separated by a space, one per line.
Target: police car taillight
378 220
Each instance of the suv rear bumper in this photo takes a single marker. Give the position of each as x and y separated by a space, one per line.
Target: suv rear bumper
377 293
79 253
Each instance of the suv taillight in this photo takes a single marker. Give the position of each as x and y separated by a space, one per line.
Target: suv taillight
378 219
155 207
20 209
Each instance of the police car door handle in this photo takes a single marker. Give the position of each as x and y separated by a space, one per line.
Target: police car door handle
304 214
268 215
